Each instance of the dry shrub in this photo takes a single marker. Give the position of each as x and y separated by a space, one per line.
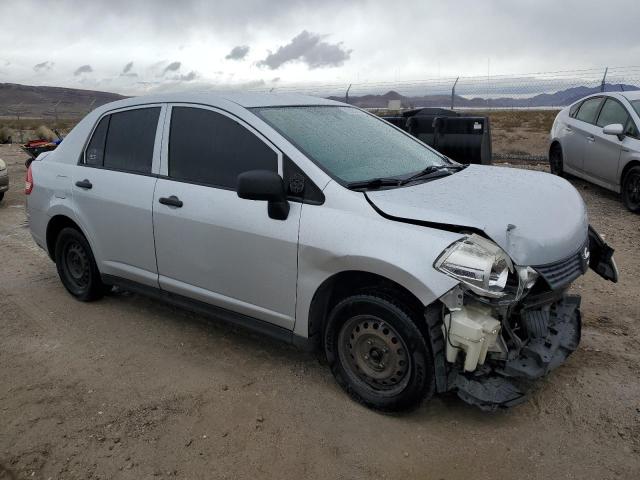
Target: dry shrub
45 133
5 134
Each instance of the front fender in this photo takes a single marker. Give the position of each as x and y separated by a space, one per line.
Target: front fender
335 240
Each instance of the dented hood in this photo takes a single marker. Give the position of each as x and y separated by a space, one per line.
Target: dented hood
537 218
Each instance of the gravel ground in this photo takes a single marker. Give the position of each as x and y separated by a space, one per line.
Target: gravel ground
129 388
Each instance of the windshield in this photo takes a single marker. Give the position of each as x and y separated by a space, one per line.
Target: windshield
351 145
636 106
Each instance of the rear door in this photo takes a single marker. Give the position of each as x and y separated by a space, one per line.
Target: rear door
578 129
113 192
602 155
212 245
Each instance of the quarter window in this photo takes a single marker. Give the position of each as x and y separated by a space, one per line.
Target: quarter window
124 141
612 112
209 148
589 110
95 151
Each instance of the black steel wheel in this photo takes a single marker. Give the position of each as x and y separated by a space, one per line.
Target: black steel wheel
76 266
377 353
555 160
631 190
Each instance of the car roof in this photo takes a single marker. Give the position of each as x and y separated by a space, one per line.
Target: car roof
631 95
244 99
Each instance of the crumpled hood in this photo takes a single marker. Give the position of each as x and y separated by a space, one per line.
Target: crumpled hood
548 215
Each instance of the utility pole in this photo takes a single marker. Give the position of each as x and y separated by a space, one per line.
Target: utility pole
453 92
604 77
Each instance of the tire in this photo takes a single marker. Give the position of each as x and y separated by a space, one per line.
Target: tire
631 190
77 267
556 161
1 196
377 354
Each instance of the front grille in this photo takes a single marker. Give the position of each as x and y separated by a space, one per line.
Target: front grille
563 272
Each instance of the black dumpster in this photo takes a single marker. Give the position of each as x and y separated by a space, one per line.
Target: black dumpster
465 139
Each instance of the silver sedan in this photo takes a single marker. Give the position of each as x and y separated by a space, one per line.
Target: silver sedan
597 139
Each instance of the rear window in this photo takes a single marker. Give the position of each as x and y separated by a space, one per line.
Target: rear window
124 141
589 110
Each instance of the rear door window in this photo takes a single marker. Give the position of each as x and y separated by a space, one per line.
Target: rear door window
612 112
130 140
209 148
589 110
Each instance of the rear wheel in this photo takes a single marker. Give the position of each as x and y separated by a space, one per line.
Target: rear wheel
76 266
377 353
631 190
555 160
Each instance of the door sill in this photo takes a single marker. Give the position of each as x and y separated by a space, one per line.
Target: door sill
211 311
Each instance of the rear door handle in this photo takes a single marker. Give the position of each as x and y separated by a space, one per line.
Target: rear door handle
172 201
86 184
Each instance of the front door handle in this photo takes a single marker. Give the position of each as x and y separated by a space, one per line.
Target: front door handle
86 184
172 201
591 138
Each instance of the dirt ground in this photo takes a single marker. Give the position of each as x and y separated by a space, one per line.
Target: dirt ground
129 388
520 132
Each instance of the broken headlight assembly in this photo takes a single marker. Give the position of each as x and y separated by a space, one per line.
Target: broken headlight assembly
485 269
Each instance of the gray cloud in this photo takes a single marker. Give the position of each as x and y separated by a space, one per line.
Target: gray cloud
44 66
238 53
308 48
188 77
126 71
172 67
83 69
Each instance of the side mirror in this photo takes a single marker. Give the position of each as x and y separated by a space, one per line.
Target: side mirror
267 186
614 129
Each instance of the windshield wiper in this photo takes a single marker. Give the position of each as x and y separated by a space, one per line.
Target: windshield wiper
430 170
374 183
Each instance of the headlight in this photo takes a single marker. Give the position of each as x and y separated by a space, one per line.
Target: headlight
3 165
484 268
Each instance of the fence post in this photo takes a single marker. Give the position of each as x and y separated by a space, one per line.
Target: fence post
604 77
453 92
346 95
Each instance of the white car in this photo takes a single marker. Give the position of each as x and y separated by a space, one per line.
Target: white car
4 179
598 139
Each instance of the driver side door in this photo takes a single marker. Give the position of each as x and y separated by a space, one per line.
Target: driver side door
602 153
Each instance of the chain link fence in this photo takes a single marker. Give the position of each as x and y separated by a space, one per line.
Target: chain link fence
521 108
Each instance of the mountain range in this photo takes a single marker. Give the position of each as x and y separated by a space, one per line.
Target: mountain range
39 101
560 98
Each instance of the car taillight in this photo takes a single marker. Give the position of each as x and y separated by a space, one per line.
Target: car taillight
28 182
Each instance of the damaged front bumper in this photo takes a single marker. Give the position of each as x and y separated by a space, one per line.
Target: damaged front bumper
494 368
490 354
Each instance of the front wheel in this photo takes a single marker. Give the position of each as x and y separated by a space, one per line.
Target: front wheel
556 161
377 353
76 266
631 190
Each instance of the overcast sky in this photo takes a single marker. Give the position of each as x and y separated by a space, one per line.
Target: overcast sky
137 46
